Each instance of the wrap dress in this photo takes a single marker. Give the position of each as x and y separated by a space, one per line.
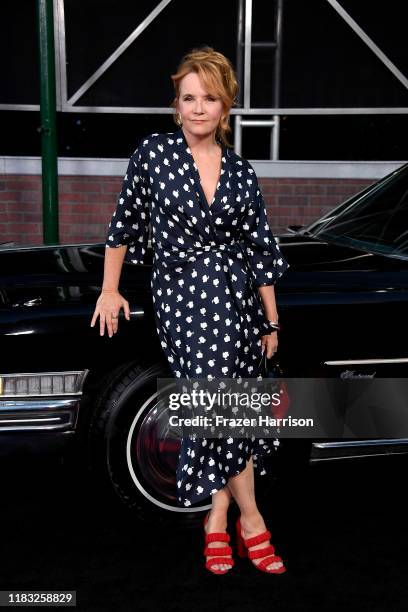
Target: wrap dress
208 261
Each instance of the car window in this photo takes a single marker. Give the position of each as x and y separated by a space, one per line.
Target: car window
375 220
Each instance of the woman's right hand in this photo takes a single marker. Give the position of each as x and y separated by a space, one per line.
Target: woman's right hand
107 308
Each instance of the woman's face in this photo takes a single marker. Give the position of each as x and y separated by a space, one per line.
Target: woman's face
200 111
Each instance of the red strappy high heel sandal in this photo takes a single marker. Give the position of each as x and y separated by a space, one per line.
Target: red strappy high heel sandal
218 553
268 551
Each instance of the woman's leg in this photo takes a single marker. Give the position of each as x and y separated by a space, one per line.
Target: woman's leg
242 487
217 520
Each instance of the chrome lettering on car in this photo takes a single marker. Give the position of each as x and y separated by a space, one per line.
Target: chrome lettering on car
353 374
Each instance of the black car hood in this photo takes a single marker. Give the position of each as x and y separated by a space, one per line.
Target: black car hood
302 253
56 266
309 253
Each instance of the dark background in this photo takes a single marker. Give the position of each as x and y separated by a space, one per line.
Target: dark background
325 64
342 532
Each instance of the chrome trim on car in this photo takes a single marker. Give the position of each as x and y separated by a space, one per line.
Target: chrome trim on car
350 443
364 361
319 459
39 415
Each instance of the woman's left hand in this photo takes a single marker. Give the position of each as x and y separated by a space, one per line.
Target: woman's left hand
270 344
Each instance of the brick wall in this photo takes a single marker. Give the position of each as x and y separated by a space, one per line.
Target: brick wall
87 204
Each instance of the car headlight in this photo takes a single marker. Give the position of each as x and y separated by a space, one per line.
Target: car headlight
42 383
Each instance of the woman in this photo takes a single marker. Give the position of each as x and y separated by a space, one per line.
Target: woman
215 264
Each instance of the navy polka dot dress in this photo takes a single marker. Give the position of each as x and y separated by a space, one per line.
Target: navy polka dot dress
209 259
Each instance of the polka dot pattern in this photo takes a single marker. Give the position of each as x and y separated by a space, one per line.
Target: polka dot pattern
208 261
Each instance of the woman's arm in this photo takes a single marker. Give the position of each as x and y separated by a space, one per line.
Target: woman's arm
112 268
126 240
266 261
269 341
110 300
267 293
130 222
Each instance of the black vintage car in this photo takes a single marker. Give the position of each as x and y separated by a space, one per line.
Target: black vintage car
343 306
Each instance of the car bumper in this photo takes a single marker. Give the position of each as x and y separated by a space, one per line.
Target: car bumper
37 425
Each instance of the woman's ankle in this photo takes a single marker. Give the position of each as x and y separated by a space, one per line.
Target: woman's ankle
251 519
218 514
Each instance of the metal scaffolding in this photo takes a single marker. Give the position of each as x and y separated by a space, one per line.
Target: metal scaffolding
245 115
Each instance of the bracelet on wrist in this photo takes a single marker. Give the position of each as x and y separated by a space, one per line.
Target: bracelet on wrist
274 326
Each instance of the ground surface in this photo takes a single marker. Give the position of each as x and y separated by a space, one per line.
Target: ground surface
343 536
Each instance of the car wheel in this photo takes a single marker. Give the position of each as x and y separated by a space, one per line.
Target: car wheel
133 449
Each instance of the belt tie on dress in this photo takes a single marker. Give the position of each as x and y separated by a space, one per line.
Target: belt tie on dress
239 287
239 291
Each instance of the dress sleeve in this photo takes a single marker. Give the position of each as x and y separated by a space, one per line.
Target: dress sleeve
130 221
262 250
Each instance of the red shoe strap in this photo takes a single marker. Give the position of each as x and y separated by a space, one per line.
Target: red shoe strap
217 551
219 561
217 537
262 537
261 552
268 560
